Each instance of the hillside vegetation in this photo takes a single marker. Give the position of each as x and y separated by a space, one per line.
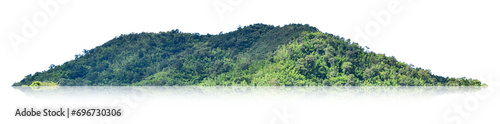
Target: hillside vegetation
255 55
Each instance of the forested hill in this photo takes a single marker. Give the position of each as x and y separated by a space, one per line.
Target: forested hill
256 55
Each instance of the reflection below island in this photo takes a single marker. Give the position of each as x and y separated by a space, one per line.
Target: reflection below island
299 92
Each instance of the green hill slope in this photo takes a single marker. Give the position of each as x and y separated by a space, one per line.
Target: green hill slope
256 55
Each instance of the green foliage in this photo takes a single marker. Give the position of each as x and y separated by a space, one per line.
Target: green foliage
255 55
39 83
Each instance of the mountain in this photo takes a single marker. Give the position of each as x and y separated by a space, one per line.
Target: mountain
255 55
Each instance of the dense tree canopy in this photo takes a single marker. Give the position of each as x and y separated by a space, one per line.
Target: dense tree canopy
255 55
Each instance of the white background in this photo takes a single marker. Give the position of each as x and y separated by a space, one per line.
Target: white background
265 105
453 38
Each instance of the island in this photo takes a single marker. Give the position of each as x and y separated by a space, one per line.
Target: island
254 55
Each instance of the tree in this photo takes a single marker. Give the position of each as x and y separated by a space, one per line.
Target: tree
346 67
52 66
85 51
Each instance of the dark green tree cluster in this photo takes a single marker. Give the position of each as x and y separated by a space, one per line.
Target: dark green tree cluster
255 55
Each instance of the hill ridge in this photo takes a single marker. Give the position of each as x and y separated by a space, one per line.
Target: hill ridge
256 55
